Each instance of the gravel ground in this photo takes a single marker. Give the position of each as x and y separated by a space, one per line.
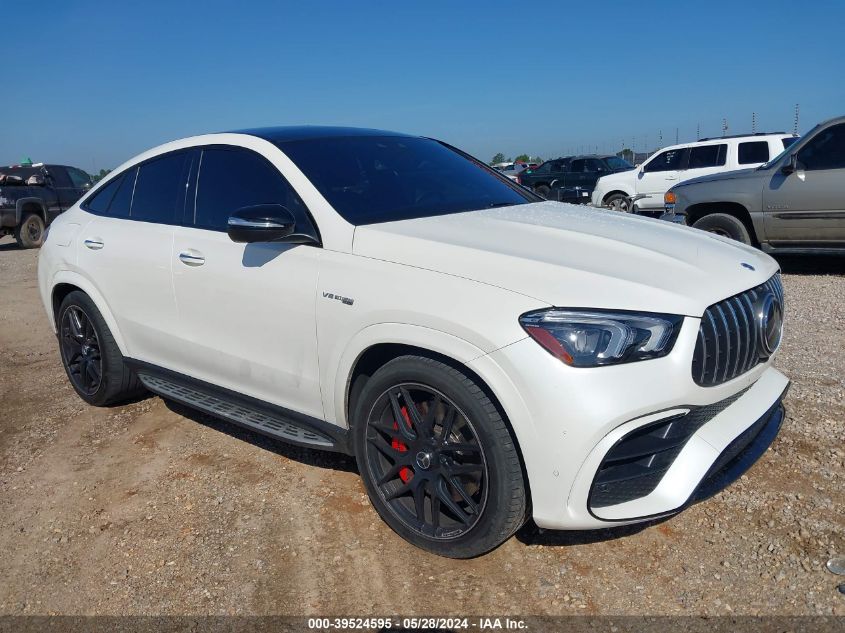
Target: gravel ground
150 508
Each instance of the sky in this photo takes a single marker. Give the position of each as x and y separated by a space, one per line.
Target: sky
91 84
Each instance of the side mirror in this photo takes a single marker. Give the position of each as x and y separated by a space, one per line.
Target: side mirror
261 223
791 166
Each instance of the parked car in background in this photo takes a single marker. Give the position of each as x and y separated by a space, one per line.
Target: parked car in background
486 355
31 196
511 170
678 163
794 203
573 177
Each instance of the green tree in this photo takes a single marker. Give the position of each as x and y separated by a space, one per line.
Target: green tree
522 158
103 173
498 158
536 159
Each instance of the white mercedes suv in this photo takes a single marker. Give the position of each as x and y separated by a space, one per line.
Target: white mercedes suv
486 356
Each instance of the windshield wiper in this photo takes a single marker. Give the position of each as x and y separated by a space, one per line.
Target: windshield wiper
494 205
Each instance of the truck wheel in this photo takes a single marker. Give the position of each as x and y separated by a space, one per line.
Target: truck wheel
90 355
438 461
30 232
542 190
617 202
724 225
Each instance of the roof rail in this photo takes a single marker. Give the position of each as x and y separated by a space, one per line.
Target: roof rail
716 138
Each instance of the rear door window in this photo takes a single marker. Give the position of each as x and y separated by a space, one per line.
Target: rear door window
120 203
753 152
160 189
100 201
707 156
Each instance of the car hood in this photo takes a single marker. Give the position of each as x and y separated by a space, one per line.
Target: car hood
573 256
739 174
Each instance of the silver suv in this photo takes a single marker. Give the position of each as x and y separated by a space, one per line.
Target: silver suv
795 203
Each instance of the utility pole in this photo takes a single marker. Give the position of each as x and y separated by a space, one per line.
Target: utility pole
676 136
724 127
698 131
795 123
754 123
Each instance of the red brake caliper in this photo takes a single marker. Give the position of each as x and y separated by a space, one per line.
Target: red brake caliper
405 473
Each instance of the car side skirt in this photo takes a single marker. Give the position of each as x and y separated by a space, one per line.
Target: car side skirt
251 413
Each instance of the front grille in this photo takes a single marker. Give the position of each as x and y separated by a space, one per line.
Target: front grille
729 339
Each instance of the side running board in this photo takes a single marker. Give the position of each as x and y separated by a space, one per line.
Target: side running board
253 414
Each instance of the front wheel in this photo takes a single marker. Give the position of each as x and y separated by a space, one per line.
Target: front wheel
618 202
30 232
439 463
726 226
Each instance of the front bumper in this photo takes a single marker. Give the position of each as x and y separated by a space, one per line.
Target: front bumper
568 419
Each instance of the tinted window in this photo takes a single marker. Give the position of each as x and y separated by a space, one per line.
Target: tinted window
231 179
385 178
160 189
78 177
593 164
119 207
577 166
545 168
60 177
99 202
753 152
669 160
707 156
788 142
825 151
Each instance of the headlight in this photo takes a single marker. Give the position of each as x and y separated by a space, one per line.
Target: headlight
589 338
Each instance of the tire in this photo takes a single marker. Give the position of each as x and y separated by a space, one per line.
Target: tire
617 202
93 362
542 190
30 232
473 481
725 225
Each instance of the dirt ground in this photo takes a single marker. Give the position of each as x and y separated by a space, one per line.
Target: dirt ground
152 509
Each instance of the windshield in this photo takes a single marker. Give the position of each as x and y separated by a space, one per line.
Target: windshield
371 179
614 162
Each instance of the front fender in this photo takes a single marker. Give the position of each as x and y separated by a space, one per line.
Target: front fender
336 389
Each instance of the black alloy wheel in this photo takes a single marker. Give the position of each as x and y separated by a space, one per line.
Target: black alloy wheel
80 348
426 460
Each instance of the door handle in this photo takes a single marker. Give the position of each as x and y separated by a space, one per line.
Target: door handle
94 243
191 258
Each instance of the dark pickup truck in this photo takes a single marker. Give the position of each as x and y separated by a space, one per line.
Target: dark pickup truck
573 178
31 196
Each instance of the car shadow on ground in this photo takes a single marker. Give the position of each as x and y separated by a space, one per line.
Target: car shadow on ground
811 264
307 456
530 534
10 246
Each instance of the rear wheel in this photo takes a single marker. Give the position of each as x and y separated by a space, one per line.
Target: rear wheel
93 362
724 225
30 232
542 190
438 461
618 202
